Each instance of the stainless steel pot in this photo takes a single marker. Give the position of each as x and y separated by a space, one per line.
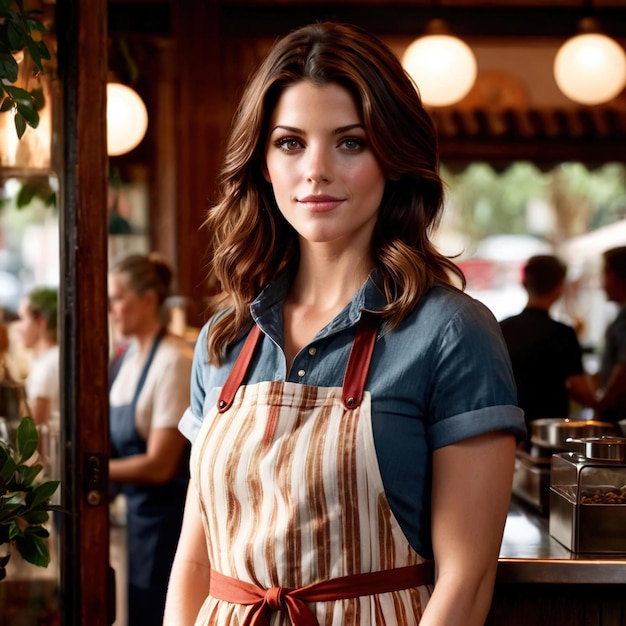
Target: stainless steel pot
553 433
605 448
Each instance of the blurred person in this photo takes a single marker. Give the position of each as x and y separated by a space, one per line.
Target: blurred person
8 368
612 392
545 354
149 460
345 387
37 327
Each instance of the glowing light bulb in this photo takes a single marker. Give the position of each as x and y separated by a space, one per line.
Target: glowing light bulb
590 68
127 119
443 68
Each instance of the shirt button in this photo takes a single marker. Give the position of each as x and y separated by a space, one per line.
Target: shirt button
301 373
312 351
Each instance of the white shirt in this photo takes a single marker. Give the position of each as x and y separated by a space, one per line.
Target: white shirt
165 393
43 379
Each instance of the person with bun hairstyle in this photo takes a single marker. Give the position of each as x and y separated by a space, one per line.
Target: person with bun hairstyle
149 455
353 412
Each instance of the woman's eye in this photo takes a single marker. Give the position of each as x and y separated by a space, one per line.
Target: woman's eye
288 144
352 144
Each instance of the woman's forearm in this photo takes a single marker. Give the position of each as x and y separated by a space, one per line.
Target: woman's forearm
187 591
458 602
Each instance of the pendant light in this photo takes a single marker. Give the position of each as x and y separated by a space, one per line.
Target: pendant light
127 119
590 68
442 65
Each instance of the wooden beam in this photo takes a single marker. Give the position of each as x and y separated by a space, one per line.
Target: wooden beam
82 39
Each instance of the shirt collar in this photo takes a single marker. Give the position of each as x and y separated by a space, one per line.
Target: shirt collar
266 309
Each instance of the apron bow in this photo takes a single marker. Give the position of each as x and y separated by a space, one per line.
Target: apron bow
266 601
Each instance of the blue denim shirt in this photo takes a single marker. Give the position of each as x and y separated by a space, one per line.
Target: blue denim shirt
442 376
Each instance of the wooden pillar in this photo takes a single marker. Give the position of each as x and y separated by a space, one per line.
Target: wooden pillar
81 146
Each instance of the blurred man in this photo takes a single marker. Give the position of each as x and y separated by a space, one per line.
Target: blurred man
612 395
545 354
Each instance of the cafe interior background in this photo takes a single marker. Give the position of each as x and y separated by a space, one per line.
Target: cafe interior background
533 150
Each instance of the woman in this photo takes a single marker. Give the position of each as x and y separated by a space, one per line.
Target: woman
37 327
147 397
346 486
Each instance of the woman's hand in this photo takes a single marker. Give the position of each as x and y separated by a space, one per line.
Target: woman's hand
162 461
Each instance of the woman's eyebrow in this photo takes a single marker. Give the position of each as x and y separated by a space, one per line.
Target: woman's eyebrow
337 131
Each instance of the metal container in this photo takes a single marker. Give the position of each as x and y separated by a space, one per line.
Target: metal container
588 495
605 448
553 433
548 436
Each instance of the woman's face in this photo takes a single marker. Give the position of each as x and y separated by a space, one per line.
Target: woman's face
30 327
327 183
128 311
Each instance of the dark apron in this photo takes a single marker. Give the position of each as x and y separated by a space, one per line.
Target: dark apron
154 518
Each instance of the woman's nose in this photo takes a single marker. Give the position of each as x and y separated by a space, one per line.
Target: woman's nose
319 168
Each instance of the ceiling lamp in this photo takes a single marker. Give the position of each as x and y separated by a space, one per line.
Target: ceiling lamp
127 119
442 66
590 68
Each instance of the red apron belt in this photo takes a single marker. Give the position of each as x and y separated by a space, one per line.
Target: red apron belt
265 601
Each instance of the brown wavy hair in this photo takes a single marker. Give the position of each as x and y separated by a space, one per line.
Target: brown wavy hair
252 242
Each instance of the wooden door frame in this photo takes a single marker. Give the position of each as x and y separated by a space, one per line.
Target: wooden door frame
81 27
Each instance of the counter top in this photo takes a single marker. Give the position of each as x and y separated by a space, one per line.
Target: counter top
530 555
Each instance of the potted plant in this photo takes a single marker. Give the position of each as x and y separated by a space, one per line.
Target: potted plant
24 502
21 36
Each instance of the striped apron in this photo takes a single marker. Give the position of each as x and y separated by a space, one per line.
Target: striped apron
298 527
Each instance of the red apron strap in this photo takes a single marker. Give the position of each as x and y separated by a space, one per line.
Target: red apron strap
266 601
236 376
359 361
356 371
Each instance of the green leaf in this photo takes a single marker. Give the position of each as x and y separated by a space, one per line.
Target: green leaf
34 53
20 124
29 114
9 67
27 435
33 549
51 199
6 106
4 5
38 531
8 466
41 493
11 508
43 50
9 511
30 472
39 100
25 195
36 517
15 35
18 94
14 531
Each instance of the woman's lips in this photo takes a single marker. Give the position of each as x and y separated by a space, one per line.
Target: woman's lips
319 204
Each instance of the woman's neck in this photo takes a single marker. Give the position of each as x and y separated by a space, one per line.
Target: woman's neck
323 286
327 281
44 344
145 338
